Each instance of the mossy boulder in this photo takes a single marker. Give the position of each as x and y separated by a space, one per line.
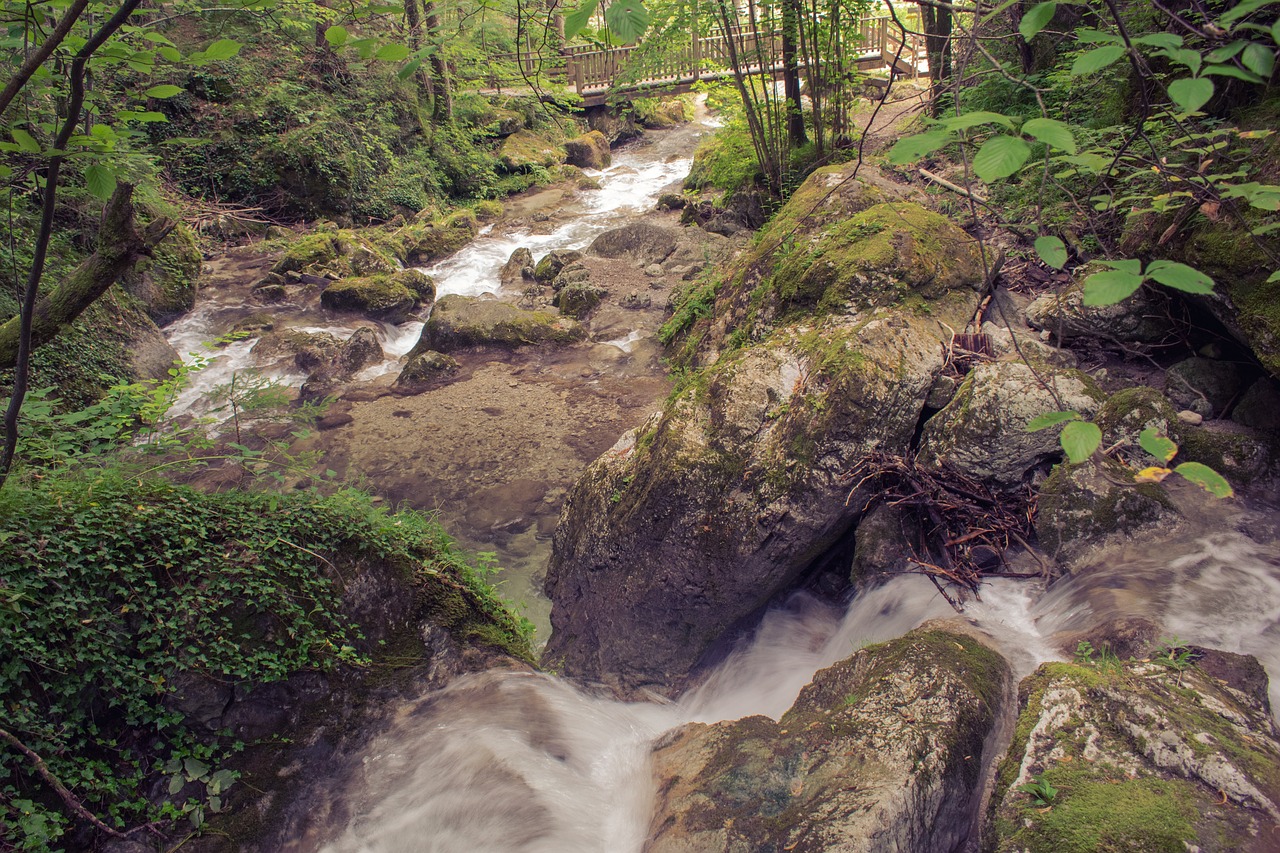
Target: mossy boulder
1080 507
1206 386
577 300
166 281
1241 455
308 350
426 242
1126 413
1140 756
426 366
310 250
379 297
552 263
881 752
526 150
588 151
660 113
461 322
983 430
1259 406
518 269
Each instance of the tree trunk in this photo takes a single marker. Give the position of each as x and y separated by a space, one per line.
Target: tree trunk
937 43
442 109
119 247
414 21
791 72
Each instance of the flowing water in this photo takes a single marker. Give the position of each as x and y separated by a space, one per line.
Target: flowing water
505 761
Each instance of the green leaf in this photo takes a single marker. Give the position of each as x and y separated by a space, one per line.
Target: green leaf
1240 10
1205 477
579 17
1259 59
1096 59
163 91
26 142
908 149
1108 288
967 120
336 36
1191 93
1052 251
1274 277
1232 71
1036 19
1165 40
1179 277
1159 446
1052 419
1130 266
391 52
1275 31
175 784
222 49
100 181
409 69
194 767
1087 36
171 54
1051 132
999 157
627 18
1185 56
1224 53
1080 439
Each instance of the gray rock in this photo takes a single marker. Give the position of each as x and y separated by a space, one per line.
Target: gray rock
514 270
642 242
359 351
1259 406
1203 385
1142 318
460 322
552 263
426 366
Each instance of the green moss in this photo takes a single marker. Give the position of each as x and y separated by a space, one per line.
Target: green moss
309 251
527 150
375 295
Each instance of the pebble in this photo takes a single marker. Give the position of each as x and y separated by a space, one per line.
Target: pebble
1189 417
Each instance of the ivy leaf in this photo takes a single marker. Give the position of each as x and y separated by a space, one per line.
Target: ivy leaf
194 767
1052 251
163 91
1258 59
1052 419
1206 478
1274 277
222 49
100 181
391 52
908 149
578 18
999 157
336 36
1051 132
1036 19
1191 93
1110 287
967 120
1096 59
627 18
1159 446
1179 277
1080 439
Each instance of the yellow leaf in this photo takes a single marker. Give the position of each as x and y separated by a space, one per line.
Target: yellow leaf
1154 474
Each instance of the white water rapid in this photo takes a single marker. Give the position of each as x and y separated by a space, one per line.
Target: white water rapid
526 763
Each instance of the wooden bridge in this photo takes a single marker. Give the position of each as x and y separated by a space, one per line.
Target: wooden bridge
596 73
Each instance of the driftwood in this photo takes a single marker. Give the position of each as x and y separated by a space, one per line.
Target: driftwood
964 528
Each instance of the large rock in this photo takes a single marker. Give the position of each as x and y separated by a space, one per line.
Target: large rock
883 751
381 297
1141 755
461 322
525 150
518 268
1081 506
166 280
309 350
552 263
1206 386
1145 317
641 242
589 151
983 430
699 517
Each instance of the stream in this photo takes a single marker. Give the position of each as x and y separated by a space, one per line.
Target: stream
516 761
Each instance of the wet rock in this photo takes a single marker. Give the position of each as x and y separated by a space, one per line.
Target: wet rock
672 201
552 263
879 543
883 751
359 351
1126 414
1204 385
519 267
575 273
1235 452
1080 506
983 430
309 350
255 323
642 242
616 128
578 299
1137 755
150 354
384 297
365 260
426 366
589 151
636 300
269 294
1142 318
664 112
460 322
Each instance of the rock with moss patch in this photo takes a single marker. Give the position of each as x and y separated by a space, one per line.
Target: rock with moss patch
308 350
1259 406
380 297
1144 317
310 250
359 351
1127 413
578 299
575 273
269 294
672 201
983 430
166 281
552 263
426 366
1137 756
518 268
525 150
461 322
426 242
1082 506
881 752
1239 454
589 151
